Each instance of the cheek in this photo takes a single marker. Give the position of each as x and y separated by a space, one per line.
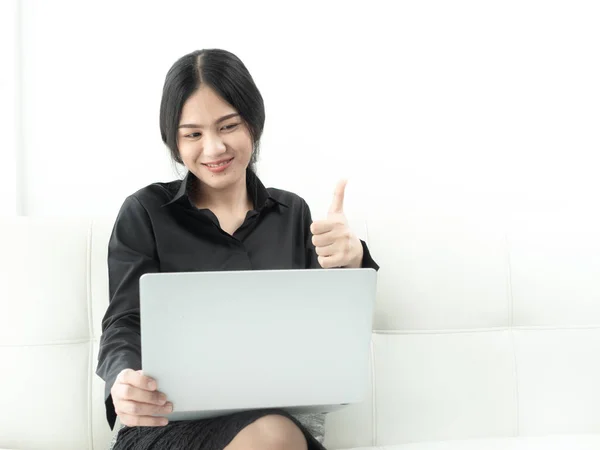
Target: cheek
243 145
188 152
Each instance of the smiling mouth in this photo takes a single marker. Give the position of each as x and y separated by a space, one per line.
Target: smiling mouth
219 164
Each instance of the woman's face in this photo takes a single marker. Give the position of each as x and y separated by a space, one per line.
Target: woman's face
214 142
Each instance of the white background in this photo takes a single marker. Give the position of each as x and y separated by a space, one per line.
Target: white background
9 106
468 106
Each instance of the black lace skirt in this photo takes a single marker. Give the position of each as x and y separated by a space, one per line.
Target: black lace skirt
205 434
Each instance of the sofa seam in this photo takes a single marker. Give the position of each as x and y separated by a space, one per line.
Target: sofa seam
91 333
440 331
555 327
488 330
377 332
48 344
511 322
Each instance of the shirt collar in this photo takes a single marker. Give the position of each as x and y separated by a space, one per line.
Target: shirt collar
258 192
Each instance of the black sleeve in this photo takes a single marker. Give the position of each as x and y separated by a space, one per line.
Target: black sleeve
311 256
131 253
368 262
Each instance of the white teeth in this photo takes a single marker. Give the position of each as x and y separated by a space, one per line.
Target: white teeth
218 165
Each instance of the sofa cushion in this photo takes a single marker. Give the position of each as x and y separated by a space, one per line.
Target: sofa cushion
557 442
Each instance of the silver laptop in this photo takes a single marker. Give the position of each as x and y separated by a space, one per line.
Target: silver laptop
222 342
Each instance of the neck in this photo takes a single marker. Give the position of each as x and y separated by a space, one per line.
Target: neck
234 198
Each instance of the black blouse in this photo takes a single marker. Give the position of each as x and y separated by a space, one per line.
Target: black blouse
158 229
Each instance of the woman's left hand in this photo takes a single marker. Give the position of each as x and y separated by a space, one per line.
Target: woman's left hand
336 245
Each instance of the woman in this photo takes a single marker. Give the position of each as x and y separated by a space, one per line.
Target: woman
220 217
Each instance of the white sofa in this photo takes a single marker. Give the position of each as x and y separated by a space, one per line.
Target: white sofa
487 336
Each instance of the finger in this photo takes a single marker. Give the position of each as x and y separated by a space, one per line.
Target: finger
337 206
142 421
129 392
330 262
142 409
138 379
339 234
322 226
327 250
323 240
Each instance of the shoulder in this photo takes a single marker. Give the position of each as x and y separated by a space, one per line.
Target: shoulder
287 198
155 194
137 216
149 199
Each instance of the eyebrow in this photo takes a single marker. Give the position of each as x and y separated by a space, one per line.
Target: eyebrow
194 125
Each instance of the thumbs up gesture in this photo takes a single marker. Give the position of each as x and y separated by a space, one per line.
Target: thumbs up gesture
334 242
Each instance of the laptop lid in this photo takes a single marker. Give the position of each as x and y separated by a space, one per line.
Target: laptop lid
218 342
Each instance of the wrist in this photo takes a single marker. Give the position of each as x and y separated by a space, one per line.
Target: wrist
356 261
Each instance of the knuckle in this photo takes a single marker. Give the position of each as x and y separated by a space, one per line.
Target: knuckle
135 408
117 392
128 391
123 376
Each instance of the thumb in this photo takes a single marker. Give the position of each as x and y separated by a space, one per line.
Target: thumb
337 205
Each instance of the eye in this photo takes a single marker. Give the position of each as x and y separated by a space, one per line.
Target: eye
230 127
193 135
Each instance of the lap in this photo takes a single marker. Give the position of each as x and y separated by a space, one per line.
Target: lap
206 434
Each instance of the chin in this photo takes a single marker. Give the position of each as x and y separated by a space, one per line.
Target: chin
221 180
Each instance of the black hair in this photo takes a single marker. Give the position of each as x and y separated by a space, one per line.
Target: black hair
227 75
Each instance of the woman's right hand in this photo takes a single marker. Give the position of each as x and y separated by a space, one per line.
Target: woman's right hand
137 400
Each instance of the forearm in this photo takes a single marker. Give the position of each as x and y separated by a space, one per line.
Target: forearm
119 350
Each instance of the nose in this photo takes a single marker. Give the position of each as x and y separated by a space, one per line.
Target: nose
213 147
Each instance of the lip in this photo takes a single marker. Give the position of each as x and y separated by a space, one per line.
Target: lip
220 168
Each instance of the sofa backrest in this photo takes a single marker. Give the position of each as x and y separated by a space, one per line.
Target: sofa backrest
482 328
53 293
485 326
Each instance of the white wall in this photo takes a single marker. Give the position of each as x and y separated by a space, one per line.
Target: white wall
465 106
9 106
